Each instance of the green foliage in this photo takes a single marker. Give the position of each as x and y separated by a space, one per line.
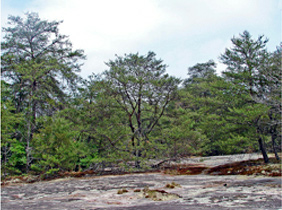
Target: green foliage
54 121
248 62
183 135
200 72
55 146
142 91
41 68
13 158
13 152
35 59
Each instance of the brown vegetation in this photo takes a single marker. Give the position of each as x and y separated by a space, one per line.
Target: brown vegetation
185 169
249 167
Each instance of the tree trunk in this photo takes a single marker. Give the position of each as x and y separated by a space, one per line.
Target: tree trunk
273 132
273 138
137 161
139 132
5 160
27 149
263 150
137 153
31 118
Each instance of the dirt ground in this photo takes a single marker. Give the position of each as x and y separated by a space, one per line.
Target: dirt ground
150 191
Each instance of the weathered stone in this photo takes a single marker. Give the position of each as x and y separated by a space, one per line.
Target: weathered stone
197 192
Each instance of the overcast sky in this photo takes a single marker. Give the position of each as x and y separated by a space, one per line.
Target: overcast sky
181 32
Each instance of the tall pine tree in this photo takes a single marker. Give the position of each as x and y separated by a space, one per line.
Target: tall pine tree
40 65
246 60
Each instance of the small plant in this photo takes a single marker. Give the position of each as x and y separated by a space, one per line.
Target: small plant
172 185
122 191
188 171
51 173
171 172
160 195
146 189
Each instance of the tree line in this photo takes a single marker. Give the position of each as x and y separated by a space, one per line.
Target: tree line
53 120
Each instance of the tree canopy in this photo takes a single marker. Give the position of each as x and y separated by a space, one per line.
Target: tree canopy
55 121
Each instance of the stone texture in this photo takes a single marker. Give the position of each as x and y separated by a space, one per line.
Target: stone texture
179 192
196 192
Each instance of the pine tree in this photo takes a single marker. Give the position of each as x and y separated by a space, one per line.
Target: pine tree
40 66
141 88
12 150
245 62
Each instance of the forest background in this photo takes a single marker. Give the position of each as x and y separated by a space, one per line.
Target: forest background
53 120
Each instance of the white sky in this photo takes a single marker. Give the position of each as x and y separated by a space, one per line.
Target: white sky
180 32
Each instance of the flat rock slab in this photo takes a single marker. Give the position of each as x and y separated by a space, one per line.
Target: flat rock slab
213 161
196 192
